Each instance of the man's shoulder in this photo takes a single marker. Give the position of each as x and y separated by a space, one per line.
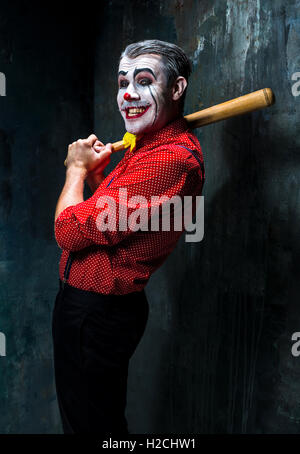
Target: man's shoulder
185 149
164 155
174 147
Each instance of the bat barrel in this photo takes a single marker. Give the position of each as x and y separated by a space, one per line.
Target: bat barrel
244 104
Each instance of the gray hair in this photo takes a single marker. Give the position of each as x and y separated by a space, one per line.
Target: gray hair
175 60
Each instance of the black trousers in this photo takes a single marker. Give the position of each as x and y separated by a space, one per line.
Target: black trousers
94 337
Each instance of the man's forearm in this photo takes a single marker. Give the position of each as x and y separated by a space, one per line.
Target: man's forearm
72 192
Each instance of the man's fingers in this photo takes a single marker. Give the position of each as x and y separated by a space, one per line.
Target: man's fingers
104 153
90 152
107 151
92 137
108 147
102 148
98 145
91 140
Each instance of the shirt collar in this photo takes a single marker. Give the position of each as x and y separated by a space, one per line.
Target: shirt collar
162 136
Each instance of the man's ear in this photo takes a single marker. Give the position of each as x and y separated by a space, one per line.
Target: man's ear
178 87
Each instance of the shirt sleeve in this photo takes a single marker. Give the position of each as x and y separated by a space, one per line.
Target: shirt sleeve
113 214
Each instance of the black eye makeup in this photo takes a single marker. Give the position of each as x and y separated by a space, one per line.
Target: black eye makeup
144 81
123 83
141 76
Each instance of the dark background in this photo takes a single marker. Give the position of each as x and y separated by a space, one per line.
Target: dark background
216 354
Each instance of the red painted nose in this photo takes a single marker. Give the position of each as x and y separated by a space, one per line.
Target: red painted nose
127 96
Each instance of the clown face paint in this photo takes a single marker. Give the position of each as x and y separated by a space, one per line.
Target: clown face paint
148 104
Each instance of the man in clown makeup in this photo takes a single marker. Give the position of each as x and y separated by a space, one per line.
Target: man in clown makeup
101 309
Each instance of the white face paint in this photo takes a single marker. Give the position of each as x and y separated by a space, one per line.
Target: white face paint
150 105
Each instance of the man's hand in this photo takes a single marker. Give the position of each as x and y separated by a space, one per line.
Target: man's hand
95 177
82 160
88 154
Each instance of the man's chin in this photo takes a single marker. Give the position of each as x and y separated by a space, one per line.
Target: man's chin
138 128
134 129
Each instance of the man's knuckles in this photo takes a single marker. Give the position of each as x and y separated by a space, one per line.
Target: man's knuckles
92 137
91 140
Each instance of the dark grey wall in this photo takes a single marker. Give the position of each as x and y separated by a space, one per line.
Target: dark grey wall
216 355
47 60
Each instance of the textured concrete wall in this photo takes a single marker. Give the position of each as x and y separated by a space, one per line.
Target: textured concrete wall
216 355
47 61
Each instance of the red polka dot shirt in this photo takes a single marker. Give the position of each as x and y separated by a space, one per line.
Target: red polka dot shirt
121 258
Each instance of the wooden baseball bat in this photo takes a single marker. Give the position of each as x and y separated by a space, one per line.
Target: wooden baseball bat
243 104
238 106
